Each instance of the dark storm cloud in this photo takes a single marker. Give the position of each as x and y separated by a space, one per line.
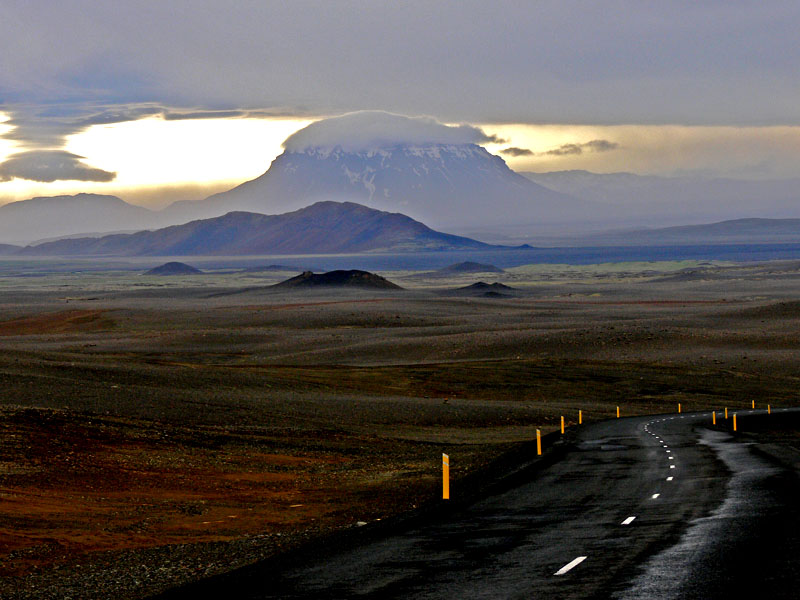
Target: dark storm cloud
573 149
50 165
513 151
619 61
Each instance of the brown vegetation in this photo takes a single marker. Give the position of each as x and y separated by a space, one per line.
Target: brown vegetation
181 433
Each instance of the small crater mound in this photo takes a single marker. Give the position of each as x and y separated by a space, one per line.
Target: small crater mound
174 268
469 267
481 289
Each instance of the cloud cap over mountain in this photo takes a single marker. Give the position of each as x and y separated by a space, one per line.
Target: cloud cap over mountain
367 129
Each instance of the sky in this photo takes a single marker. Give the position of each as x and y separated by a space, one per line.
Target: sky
160 101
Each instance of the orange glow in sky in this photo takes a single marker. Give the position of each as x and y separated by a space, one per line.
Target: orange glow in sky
158 161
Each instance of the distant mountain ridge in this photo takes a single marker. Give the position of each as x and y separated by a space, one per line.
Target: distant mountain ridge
323 228
724 232
54 216
651 200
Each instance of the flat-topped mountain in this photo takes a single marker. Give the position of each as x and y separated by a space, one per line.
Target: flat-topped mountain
174 268
427 171
353 278
323 228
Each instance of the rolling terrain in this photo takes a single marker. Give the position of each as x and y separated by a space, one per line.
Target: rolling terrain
206 423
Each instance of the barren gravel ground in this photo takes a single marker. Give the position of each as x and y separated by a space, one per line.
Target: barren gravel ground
156 431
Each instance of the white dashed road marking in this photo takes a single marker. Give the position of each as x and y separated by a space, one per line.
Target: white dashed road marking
570 565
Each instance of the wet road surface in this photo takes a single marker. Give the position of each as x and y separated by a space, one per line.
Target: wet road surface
657 507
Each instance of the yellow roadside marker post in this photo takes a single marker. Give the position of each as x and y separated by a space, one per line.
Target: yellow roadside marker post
726 413
769 410
679 407
734 421
580 417
754 403
562 424
618 412
714 418
445 477
538 443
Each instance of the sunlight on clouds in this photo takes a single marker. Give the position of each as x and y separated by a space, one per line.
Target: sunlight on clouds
153 151
158 161
738 152
7 147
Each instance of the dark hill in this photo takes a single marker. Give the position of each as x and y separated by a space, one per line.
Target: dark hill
486 290
322 228
269 268
6 249
354 278
469 267
484 287
174 268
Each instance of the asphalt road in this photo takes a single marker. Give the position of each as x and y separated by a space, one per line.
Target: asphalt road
648 507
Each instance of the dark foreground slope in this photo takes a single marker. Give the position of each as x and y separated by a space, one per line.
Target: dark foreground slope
324 227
